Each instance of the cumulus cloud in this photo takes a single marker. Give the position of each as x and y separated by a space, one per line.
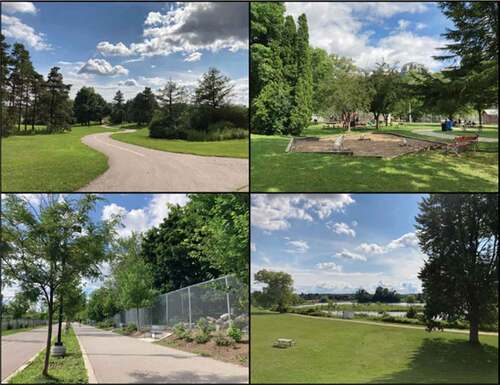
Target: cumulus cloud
341 228
273 212
102 67
14 28
403 24
346 254
330 266
108 49
297 247
190 27
128 83
18 7
140 220
194 56
406 240
349 34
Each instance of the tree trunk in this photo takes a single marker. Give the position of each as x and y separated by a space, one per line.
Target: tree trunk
59 342
474 332
45 371
138 323
376 120
480 119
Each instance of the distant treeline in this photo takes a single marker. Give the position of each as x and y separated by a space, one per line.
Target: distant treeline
362 296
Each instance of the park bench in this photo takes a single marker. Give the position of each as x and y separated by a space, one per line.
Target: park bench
462 143
283 343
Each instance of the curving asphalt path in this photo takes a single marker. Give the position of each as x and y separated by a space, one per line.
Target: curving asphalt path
18 348
119 359
136 168
430 132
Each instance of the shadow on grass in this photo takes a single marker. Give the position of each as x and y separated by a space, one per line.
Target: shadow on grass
448 361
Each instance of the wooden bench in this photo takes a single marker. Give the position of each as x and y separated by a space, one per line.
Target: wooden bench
462 142
283 343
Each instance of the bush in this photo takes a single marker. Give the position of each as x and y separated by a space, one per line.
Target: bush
188 336
179 330
202 338
130 328
105 324
411 313
204 326
222 340
234 333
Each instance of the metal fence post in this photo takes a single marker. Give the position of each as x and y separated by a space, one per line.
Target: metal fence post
189 305
166 302
227 298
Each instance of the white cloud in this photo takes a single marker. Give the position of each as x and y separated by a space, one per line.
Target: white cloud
154 81
341 228
273 212
240 91
253 247
349 32
128 83
297 247
140 220
406 240
420 26
403 24
331 266
108 49
102 67
189 28
14 28
18 7
194 56
346 254
138 59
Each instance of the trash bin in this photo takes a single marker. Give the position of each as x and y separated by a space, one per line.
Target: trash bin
449 125
443 126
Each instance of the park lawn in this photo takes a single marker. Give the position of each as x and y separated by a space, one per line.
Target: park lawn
48 163
484 133
69 369
334 351
237 148
8 332
379 307
274 170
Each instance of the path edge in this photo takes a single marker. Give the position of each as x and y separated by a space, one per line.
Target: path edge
90 370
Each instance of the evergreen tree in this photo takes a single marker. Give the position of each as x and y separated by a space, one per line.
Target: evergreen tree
118 109
57 102
143 106
83 105
6 122
301 112
214 89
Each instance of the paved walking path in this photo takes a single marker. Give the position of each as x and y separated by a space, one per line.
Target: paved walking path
136 168
441 135
394 325
120 359
18 348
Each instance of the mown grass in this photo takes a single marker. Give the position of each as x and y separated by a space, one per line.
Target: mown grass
47 163
274 170
484 133
236 148
69 369
379 307
8 332
334 351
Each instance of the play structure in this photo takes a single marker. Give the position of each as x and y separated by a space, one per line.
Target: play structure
375 145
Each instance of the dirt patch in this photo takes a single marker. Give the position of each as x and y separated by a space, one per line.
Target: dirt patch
236 354
375 145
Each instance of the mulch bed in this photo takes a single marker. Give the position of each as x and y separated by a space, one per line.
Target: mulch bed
236 354
375 145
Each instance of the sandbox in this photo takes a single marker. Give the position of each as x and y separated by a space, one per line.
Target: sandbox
374 145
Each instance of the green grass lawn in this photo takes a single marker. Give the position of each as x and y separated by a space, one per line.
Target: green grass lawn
8 332
69 369
484 133
46 163
272 169
237 148
329 351
363 307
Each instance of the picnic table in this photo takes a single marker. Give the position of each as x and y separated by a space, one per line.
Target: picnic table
283 343
462 143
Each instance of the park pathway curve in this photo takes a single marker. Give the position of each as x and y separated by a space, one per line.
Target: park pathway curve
20 347
120 359
430 132
136 168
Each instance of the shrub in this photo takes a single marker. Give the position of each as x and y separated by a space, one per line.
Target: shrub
234 333
205 326
222 340
188 336
411 313
105 324
179 330
130 328
202 338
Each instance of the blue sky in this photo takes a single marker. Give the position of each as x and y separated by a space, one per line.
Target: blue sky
337 243
139 212
128 46
375 31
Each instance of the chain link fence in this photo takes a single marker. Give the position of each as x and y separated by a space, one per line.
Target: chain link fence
22 323
222 300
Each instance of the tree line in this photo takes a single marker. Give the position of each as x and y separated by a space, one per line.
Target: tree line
291 79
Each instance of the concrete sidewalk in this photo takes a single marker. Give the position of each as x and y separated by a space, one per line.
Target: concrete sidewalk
18 348
120 359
